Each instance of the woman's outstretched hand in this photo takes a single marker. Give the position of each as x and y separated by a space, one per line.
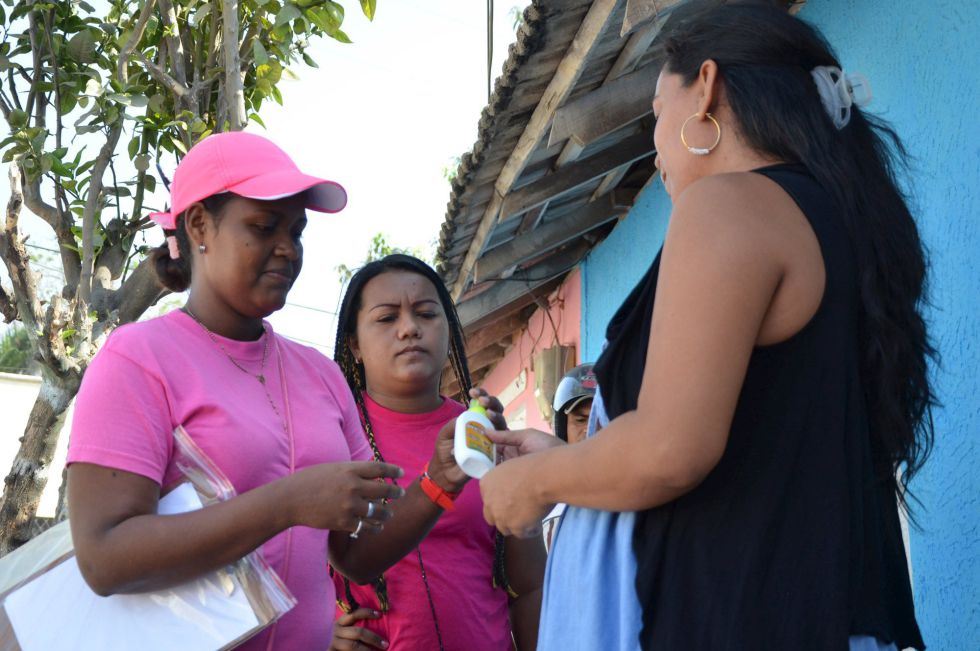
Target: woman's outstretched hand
509 500
343 496
520 442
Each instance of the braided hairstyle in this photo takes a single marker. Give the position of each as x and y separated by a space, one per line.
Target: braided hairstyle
354 372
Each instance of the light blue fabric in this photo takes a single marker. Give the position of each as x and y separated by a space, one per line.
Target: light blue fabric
868 643
589 598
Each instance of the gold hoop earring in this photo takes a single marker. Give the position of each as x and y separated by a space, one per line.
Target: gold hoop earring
701 151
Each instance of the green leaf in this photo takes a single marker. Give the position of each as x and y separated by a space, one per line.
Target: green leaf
150 183
339 35
134 148
276 95
17 119
287 14
308 60
68 102
178 145
368 7
258 51
81 47
156 103
60 168
335 11
257 120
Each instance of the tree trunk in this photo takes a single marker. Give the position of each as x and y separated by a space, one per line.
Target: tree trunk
25 483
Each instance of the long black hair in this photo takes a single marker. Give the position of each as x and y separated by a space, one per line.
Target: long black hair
764 59
354 372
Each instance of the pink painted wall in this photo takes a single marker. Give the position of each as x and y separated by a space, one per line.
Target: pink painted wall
565 307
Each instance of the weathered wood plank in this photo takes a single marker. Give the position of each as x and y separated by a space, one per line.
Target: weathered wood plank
606 109
547 237
567 73
640 12
519 292
569 178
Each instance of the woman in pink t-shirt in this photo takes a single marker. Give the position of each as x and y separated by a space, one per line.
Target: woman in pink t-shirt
276 417
464 588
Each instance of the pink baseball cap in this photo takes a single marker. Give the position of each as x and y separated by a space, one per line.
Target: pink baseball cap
250 166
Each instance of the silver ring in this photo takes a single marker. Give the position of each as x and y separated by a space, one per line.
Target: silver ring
371 509
360 525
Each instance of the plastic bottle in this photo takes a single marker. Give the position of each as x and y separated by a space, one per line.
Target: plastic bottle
472 448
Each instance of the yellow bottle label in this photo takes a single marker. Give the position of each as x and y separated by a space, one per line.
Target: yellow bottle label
476 439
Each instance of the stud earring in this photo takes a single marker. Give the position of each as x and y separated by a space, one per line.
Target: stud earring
202 248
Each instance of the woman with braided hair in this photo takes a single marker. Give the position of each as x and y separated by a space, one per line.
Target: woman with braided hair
464 587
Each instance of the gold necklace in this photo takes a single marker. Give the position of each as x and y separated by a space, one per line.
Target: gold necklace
260 376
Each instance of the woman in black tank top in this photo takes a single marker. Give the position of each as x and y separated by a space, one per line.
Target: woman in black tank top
766 380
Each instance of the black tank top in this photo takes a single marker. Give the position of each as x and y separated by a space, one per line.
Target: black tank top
791 542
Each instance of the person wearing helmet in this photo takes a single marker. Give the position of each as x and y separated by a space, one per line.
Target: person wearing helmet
572 405
573 402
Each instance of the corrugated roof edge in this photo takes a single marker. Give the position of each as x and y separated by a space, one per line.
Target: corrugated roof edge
529 38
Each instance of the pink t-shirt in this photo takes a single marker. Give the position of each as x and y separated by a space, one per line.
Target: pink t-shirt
154 375
457 553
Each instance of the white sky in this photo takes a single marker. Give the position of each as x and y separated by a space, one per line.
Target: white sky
383 116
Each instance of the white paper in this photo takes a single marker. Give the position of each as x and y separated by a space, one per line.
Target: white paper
58 610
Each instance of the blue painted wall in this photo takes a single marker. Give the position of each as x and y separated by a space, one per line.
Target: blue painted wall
614 267
921 59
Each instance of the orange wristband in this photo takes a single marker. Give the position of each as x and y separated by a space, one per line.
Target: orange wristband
441 498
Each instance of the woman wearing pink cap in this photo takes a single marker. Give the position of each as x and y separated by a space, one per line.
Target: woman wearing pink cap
275 416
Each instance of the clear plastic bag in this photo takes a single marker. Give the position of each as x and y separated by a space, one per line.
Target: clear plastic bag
45 604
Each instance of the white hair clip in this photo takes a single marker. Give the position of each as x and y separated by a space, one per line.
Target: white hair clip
839 90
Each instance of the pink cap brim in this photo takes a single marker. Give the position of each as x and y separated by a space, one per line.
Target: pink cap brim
164 219
321 195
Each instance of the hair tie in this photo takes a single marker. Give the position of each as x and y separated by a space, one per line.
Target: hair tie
839 90
172 245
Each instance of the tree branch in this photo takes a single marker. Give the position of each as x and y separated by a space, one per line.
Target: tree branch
38 206
139 292
13 89
91 208
174 86
122 70
8 307
234 96
59 127
14 254
178 57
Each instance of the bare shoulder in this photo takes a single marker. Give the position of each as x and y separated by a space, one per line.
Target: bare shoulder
743 213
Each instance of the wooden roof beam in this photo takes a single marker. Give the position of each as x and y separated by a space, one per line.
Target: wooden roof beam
589 33
548 237
641 12
518 294
571 177
606 109
495 332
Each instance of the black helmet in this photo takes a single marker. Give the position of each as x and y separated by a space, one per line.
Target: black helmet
577 385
